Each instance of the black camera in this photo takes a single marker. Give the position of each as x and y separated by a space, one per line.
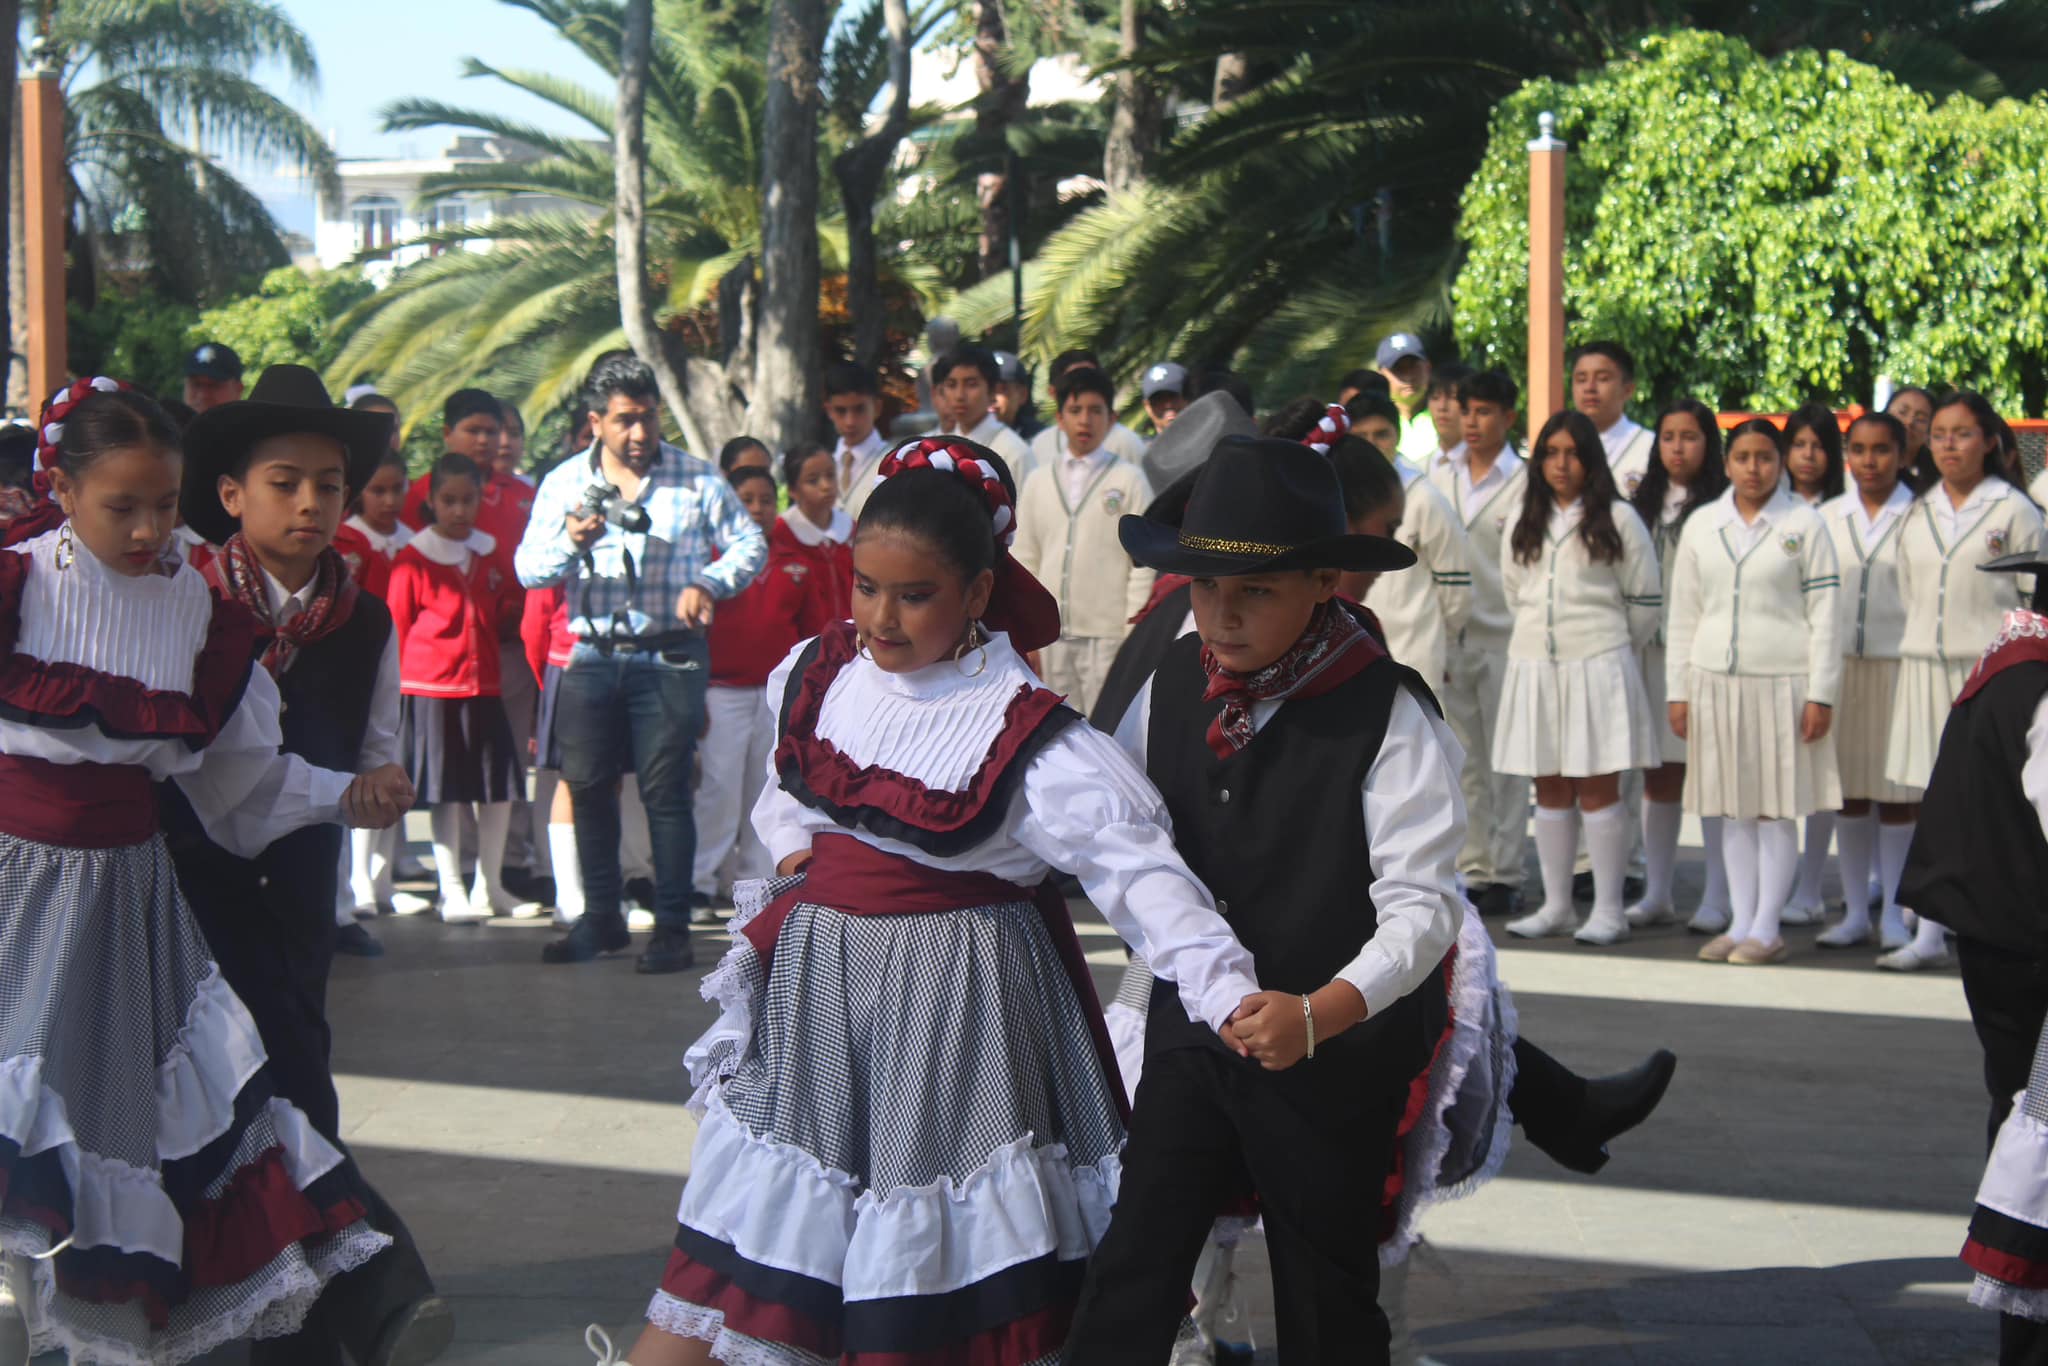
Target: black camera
604 500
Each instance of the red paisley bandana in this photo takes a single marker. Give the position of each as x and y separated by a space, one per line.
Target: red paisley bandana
1333 650
234 573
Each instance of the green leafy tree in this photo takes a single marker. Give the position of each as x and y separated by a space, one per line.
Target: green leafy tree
139 337
288 320
1759 231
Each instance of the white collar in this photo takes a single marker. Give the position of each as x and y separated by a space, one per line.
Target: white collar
1005 670
279 595
1781 501
386 543
1618 436
867 446
1101 455
1564 519
1504 465
1850 505
809 533
983 430
438 548
1990 489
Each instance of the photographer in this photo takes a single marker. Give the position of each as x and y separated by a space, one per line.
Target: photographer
631 528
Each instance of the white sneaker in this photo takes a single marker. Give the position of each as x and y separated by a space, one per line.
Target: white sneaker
1643 915
1908 959
457 909
600 1344
410 903
1847 935
639 919
1603 927
1544 922
365 910
1710 920
1796 913
503 902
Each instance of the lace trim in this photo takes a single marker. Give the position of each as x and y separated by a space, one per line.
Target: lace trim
683 1320
1989 1292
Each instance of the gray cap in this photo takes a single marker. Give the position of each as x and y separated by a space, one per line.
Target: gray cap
1010 370
1184 447
1166 378
1397 348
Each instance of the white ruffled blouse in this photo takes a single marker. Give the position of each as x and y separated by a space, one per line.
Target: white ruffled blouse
151 628
1082 807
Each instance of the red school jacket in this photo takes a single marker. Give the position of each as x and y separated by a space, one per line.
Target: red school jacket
828 562
370 566
447 619
755 630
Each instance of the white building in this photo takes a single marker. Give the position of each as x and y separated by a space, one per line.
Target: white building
380 204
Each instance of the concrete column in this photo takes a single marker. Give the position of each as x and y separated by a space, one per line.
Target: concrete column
46 202
1544 393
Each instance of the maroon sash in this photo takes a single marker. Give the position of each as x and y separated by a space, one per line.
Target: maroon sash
855 878
76 806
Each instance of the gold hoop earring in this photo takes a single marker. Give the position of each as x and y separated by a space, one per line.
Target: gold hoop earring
861 648
67 549
975 639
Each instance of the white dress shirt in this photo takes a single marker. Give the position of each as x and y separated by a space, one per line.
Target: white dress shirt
991 432
1630 447
855 466
380 736
1472 497
1077 471
1050 444
2034 773
1414 827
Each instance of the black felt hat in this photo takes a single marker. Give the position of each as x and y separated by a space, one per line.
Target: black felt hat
287 399
1260 505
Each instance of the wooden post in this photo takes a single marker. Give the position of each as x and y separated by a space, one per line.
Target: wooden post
1545 392
45 202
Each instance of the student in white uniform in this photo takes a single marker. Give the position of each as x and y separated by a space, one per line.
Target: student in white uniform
1876 824
1687 475
1423 611
1753 668
1974 515
1603 380
1483 482
853 404
964 393
1813 469
1579 574
1050 444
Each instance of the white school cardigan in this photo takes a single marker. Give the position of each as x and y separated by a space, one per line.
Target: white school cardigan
1755 601
1873 613
1423 609
1073 548
1953 610
1569 606
1486 526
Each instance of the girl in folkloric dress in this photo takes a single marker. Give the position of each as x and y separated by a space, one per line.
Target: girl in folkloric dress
1580 575
157 1198
911 1119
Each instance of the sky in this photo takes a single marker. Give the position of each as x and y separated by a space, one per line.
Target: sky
372 52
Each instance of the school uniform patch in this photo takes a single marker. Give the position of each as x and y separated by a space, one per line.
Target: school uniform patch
1628 485
1994 541
1792 544
796 571
1113 502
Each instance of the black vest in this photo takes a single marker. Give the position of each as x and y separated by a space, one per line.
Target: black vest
1277 832
1979 863
288 890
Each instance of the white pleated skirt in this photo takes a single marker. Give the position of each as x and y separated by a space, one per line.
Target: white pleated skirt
1927 689
1574 718
1863 728
1671 748
1744 756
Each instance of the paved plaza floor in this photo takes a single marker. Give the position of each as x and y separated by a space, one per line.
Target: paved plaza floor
1799 1198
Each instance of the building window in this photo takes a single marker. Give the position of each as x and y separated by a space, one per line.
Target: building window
447 214
376 222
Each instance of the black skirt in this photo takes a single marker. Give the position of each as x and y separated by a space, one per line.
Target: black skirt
460 749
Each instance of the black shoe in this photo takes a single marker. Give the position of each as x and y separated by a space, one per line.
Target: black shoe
588 938
700 901
354 939
414 1335
1616 1104
1495 899
528 885
666 952
640 891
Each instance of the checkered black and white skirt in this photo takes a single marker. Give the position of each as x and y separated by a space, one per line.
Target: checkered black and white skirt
139 1133
907 1142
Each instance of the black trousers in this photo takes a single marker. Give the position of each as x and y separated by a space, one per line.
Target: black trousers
1206 1128
2008 996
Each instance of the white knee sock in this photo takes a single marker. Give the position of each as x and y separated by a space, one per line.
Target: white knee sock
568 872
1608 839
1557 848
1892 843
446 823
1739 857
1929 939
1856 846
493 829
362 877
1777 866
1813 859
1712 839
1660 850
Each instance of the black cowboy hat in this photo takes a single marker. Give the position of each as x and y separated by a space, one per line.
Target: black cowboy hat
287 399
1259 506
2025 562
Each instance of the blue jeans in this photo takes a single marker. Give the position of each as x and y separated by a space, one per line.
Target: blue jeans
650 706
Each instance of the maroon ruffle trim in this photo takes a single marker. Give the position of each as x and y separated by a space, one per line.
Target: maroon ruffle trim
70 695
838 780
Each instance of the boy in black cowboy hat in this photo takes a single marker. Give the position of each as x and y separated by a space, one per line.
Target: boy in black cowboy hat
1313 786
1977 865
266 479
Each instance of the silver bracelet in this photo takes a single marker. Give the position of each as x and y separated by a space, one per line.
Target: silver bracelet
1308 1017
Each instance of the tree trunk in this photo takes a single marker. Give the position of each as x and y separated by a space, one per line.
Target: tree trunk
629 147
1134 127
1233 72
15 285
783 406
1001 104
859 170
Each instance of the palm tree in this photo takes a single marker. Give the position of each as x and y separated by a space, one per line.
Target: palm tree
155 92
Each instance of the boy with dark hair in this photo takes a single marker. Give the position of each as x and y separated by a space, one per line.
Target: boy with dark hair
853 405
1483 481
1357 383
1049 445
1603 380
1067 515
1283 727
1444 413
964 393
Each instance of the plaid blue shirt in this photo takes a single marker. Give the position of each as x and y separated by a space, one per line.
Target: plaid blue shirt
695 515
